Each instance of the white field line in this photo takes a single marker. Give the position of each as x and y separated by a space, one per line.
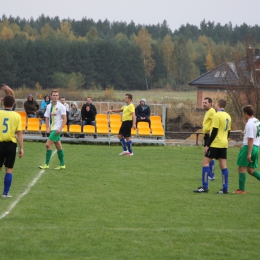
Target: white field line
24 193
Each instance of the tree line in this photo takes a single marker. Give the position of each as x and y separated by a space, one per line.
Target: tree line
82 54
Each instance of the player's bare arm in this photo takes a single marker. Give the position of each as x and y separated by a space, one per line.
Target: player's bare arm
20 143
47 122
250 147
134 120
114 110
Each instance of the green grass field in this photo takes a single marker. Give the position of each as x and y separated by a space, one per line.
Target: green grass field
105 206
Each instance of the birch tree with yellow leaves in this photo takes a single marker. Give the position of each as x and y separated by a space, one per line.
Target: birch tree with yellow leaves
167 53
143 41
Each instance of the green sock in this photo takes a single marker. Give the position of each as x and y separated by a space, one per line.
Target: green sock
48 156
61 157
242 181
256 175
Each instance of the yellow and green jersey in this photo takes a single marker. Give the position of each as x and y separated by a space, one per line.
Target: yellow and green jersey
128 111
222 121
55 113
10 123
207 122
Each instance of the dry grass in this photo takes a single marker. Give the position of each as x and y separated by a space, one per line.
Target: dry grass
152 96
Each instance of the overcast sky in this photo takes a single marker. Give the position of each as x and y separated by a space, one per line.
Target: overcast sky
175 12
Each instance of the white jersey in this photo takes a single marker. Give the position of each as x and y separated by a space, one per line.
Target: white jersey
54 113
252 130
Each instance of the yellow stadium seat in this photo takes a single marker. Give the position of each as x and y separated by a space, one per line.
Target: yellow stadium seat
155 118
143 125
102 130
101 123
33 125
157 131
133 131
114 130
65 129
89 129
101 117
22 113
43 128
75 129
156 124
23 123
115 124
144 131
115 118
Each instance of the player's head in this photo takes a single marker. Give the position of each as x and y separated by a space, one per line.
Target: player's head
8 101
207 103
128 98
248 110
55 95
221 103
3 86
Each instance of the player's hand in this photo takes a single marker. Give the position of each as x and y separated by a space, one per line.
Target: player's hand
134 126
109 111
20 154
58 131
205 149
249 158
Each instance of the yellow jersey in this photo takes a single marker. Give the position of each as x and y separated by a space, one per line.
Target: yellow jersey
207 122
10 123
128 111
222 121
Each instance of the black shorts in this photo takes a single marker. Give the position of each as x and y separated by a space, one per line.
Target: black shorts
216 153
7 154
125 129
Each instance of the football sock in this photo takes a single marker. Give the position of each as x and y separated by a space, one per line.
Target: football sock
225 179
123 143
242 181
7 182
129 145
212 169
48 156
256 175
205 172
61 157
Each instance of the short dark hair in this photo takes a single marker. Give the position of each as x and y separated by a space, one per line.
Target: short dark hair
248 109
129 96
55 90
3 84
222 103
209 99
8 101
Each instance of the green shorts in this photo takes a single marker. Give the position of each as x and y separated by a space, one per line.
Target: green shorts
53 137
242 157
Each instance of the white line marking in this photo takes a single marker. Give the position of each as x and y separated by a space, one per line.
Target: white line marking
24 193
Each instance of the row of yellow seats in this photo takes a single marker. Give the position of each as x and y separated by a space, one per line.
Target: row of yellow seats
105 130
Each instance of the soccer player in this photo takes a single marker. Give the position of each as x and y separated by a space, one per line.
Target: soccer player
207 122
248 155
10 125
55 119
128 121
216 147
